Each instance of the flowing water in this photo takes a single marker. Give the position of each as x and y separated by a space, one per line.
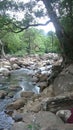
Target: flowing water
20 78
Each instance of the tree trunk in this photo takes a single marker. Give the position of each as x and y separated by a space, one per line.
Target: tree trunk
2 49
64 39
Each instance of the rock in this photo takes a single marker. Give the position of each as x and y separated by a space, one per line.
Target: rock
64 81
64 115
42 85
69 69
11 94
18 117
56 103
48 92
42 119
68 126
35 79
35 107
36 96
19 126
59 127
47 118
13 60
5 64
28 94
28 117
2 94
4 71
43 77
15 66
16 105
9 112
14 88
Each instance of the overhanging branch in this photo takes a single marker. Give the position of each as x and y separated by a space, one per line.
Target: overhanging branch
27 26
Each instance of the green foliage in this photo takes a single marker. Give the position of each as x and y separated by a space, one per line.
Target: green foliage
51 43
34 126
11 42
30 41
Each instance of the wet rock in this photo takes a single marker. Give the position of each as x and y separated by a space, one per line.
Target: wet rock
11 94
9 112
14 88
2 94
4 71
27 94
35 79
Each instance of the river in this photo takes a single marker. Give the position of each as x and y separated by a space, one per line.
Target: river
21 78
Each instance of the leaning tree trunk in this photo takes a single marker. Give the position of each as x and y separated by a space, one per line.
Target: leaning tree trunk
64 39
2 49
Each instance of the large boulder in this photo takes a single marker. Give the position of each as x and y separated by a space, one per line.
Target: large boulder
47 119
59 127
43 119
64 81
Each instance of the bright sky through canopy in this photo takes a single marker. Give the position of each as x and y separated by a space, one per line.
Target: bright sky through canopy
47 28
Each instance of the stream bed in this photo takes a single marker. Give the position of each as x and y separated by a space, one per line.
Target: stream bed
18 77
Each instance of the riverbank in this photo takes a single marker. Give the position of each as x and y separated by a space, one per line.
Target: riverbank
55 85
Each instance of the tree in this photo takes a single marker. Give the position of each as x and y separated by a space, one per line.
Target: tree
33 40
29 37
59 11
64 38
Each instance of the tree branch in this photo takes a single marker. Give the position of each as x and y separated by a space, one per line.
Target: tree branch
30 25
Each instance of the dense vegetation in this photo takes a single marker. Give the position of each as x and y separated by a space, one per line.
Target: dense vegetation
60 13
30 41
